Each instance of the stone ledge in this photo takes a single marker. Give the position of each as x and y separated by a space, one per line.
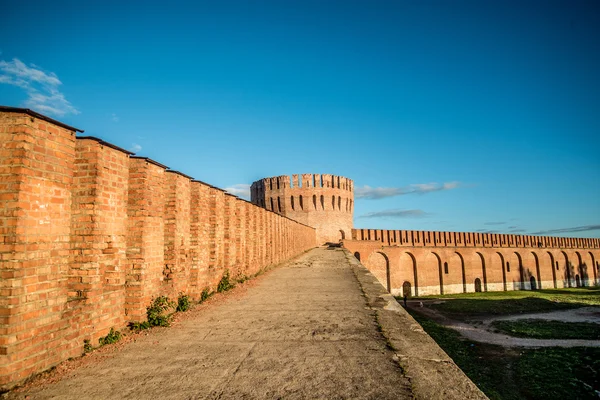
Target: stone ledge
432 372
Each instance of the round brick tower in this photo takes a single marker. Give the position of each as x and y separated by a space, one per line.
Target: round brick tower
325 202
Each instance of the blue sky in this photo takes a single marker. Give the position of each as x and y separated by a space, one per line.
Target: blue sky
448 115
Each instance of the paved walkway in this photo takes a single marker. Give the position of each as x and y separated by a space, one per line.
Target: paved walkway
304 331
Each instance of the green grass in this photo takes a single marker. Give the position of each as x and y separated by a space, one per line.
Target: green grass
560 373
546 329
515 302
488 366
502 373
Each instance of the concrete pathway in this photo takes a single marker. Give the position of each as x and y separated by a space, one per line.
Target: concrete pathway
303 331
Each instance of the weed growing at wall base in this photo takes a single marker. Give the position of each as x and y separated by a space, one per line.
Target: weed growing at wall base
87 346
156 311
225 284
183 303
112 337
206 293
156 314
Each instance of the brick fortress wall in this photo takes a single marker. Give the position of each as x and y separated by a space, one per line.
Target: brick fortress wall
325 202
428 262
91 234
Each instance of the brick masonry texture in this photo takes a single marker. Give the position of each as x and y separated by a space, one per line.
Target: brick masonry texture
91 234
325 202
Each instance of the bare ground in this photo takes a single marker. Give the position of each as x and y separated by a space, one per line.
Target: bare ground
303 330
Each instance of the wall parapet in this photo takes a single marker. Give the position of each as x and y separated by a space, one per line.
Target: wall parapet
410 238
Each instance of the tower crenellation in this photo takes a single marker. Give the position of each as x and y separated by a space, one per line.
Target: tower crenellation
323 201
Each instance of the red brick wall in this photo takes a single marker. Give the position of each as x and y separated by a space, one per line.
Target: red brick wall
145 239
451 262
97 271
177 233
37 167
91 234
199 237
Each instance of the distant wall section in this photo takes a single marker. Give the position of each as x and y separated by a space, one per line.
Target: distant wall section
323 201
431 262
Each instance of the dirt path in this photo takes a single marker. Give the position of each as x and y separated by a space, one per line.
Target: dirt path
583 314
480 331
303 331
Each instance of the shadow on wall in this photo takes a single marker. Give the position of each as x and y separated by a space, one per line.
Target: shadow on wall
477 285
568 272
583 278
529 276
528 281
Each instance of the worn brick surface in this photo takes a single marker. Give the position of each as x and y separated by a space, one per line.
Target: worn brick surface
37 167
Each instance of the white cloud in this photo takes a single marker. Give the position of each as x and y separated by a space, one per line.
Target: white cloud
135 147
41 87
241 190
584 228
395 213
114 117
370 193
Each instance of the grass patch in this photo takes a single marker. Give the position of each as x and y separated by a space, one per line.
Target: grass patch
482 307
588 296
503 373
547 329
516 302
488 366
560 373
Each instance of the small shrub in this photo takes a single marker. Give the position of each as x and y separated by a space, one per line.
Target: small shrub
112 337
242 278
87 346
205 295
156 311
139 326
225 284
183 302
